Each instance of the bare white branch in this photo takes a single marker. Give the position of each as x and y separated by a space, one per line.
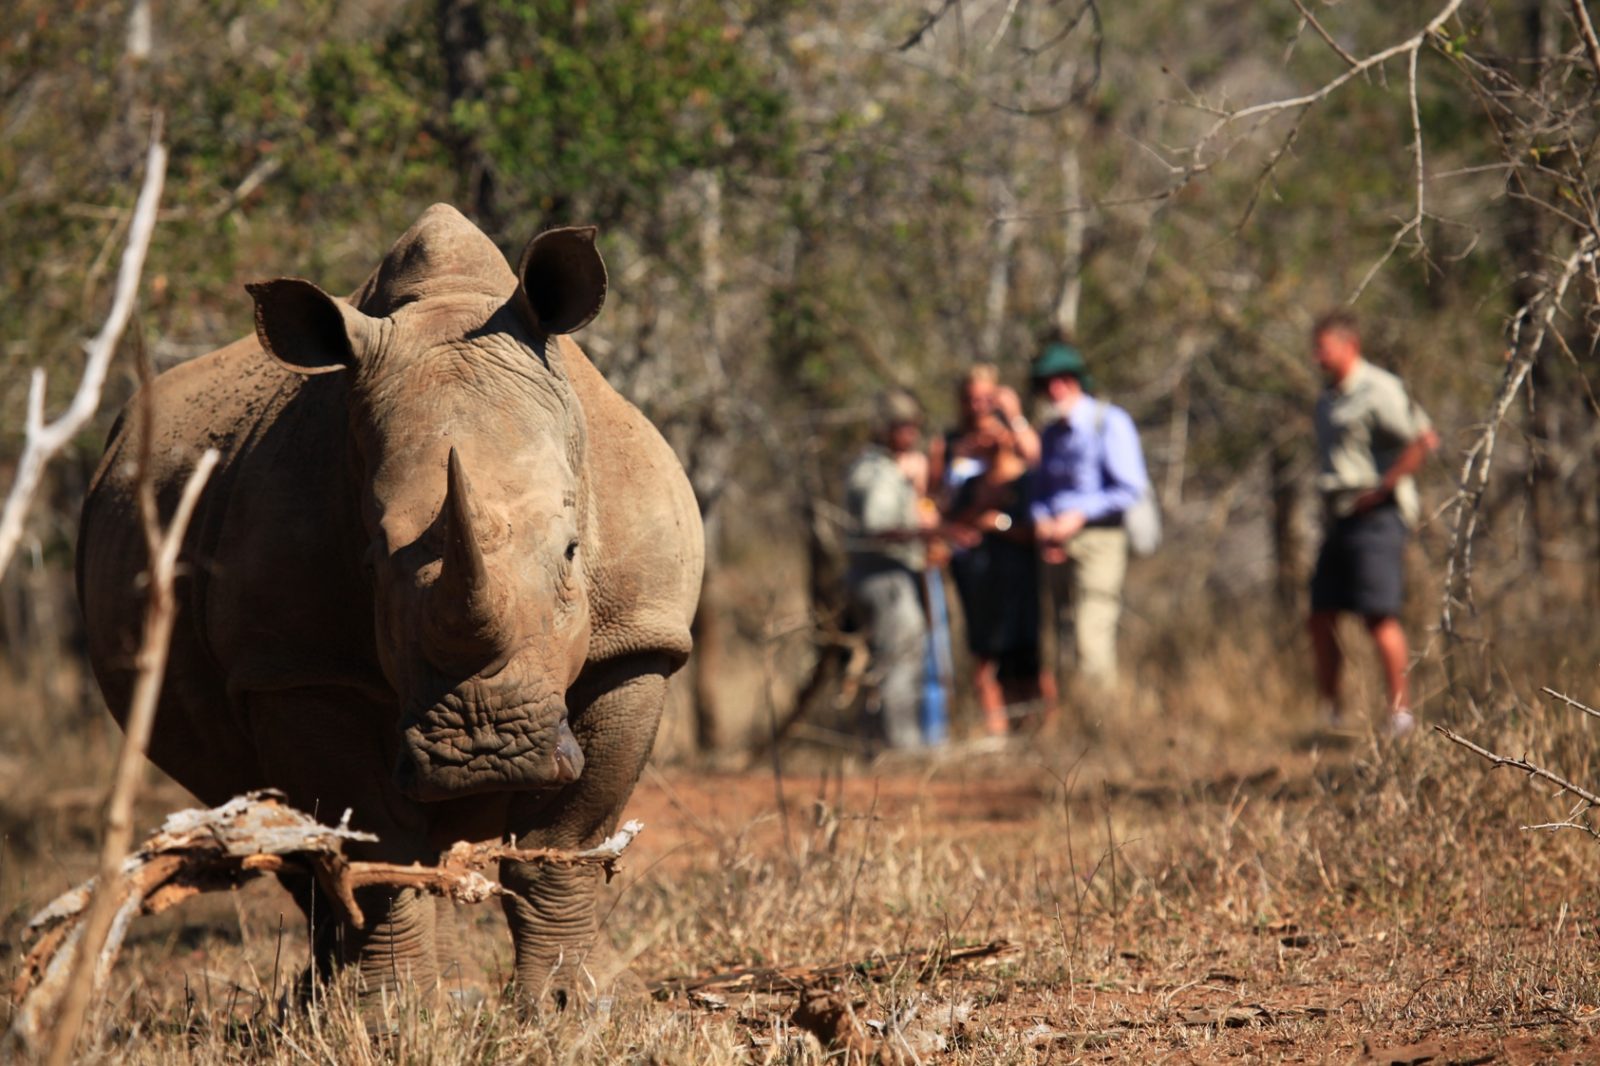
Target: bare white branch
1002 26
44 440
1416 141
1554 826
1410 45
1479 459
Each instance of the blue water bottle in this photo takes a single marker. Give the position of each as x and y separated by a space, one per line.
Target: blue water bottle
933 708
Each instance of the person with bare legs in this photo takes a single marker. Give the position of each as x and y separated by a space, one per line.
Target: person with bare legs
1371 439
997 578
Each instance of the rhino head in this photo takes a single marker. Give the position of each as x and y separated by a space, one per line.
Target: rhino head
465 447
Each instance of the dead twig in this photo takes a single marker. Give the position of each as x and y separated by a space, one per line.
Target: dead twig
258 176
1328 38
1587 799
1569 701
109 907
1531 769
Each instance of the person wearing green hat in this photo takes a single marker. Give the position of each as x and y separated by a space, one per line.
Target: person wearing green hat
1091 471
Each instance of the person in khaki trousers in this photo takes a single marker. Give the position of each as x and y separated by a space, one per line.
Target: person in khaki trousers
1091 470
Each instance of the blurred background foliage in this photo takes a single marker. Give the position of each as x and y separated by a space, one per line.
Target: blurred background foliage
801 203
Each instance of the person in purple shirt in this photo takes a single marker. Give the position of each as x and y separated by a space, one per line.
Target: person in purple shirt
1091 470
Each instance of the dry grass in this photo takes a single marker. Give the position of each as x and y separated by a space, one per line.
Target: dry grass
1190 872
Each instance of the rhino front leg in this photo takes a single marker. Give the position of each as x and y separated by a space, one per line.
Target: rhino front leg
552 914
396 950
324 750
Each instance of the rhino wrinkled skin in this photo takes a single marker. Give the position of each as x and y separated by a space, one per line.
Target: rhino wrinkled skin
439 578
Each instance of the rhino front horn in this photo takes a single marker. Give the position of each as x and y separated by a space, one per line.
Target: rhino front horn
462 619
464 569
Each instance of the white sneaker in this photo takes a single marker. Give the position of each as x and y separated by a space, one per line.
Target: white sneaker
1401 723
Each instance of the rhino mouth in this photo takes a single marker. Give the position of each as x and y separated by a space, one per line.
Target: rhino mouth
458 747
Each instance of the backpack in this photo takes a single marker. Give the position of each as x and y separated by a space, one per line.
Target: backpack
1142 519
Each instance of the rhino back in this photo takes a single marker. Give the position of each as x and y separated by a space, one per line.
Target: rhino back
645 571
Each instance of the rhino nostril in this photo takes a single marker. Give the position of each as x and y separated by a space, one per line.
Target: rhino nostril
568 756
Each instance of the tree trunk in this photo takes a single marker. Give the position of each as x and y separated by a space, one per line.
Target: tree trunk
1594 516
1285 534
1525 240
711 466
1006 228
706 630
463 39
1184 352
825 570
1073 225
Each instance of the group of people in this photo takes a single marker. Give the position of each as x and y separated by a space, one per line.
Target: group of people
1004 507
1009 509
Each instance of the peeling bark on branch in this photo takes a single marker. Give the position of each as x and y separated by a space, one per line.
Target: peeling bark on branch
198 851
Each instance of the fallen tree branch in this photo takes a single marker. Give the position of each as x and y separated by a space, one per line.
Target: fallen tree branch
198 851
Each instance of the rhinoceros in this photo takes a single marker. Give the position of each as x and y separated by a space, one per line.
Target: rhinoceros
439 578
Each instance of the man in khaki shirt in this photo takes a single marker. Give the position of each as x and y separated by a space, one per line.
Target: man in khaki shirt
1371 439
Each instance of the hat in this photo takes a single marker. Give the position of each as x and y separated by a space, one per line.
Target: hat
1060 359
896 407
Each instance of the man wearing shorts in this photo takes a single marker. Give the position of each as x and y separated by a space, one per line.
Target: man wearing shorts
1371 439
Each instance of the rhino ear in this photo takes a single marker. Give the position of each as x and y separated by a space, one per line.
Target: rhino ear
304 328
562 279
